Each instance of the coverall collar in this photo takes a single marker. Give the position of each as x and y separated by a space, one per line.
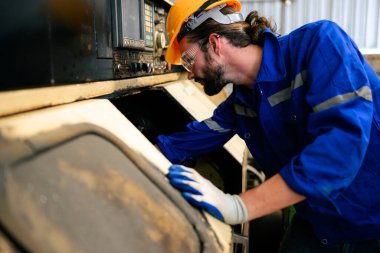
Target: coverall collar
272 68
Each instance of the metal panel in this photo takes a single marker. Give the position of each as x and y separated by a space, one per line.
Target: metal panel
101 117
360 19
87 195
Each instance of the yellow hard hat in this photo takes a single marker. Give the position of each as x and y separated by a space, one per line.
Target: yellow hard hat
179 14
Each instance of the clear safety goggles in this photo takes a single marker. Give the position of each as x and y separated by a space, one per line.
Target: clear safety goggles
188 57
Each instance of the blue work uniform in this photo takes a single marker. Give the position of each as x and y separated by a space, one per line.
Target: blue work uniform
311 115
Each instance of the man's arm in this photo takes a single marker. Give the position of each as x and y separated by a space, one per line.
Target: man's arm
272 195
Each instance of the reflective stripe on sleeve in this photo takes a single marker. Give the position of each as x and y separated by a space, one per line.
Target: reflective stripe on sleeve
244 111
364 92
213 125
285 94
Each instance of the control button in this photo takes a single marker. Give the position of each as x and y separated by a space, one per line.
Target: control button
247 135
145 67
134 66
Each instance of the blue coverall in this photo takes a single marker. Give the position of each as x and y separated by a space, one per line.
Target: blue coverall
312 115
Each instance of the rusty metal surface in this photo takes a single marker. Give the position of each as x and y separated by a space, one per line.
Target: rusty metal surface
85 196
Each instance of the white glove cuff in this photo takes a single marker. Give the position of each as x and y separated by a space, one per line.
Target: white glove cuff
239 213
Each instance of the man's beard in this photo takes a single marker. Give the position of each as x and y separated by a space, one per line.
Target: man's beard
213 82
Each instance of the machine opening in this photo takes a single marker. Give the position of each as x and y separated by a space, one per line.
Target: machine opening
154 112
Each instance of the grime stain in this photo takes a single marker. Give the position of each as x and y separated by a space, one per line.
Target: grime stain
118 189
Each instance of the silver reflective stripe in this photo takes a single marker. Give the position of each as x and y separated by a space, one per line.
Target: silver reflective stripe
215 126
280 96
285 94
364 92
245 111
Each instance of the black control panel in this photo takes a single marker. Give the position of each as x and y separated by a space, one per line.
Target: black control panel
139 51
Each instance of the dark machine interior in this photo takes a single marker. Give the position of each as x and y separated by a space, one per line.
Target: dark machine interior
155 112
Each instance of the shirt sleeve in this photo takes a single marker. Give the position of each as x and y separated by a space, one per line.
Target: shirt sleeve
200 137
339 94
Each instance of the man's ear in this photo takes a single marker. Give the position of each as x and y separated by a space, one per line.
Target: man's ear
215 42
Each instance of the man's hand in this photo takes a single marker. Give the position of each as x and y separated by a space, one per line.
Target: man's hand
203 194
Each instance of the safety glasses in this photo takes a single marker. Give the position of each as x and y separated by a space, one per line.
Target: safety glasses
188 57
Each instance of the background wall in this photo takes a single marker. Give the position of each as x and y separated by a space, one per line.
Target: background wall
359 18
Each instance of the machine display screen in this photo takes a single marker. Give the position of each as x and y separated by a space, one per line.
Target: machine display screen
129 27
128 21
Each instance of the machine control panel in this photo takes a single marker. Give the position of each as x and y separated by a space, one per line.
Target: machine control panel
139 39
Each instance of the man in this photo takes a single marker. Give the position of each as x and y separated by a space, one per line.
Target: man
306 104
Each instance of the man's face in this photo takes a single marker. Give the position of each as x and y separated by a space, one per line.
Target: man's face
203 68
213 76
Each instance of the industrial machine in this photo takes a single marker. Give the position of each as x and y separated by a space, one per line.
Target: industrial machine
58 42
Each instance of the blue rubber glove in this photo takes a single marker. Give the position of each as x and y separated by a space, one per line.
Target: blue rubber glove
201 193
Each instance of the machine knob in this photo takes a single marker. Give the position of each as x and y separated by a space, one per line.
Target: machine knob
160 40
